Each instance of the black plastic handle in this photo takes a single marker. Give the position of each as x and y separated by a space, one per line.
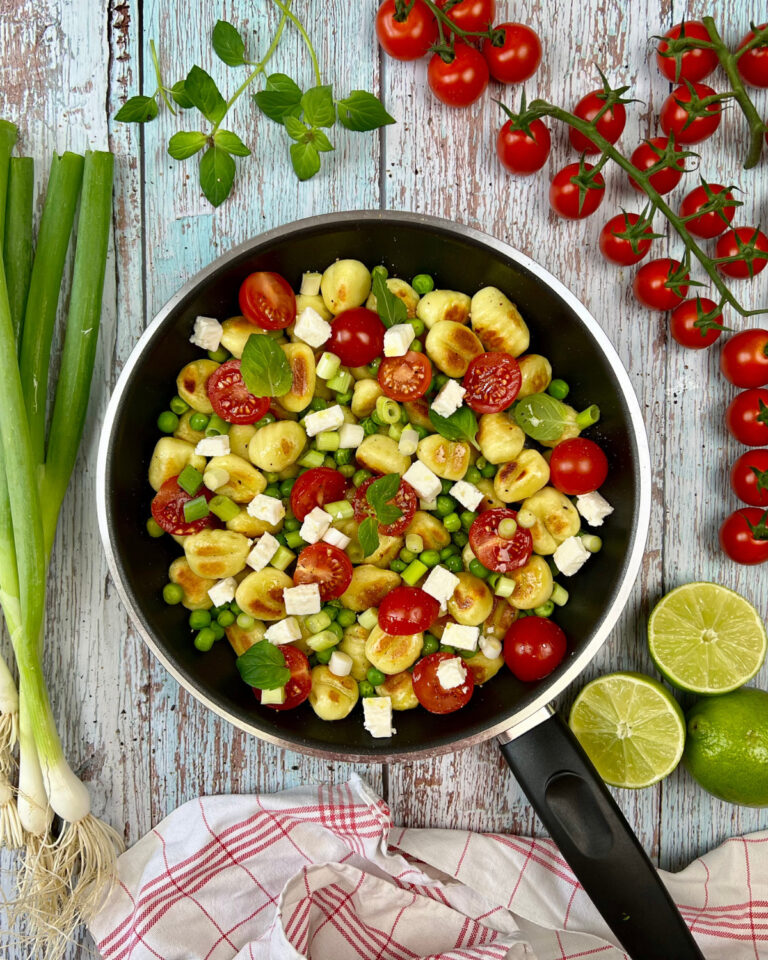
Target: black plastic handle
598 843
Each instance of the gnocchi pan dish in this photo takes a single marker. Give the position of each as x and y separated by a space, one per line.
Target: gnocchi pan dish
378 491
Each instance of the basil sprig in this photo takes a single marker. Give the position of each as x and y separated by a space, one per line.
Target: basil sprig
390 308
379 494
263 666
264 367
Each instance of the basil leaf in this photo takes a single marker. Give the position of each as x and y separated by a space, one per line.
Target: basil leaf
461 425
368 535
279 98
231 143
363 111
179 94
204 94
263 666
296 129
305 160
390 308
317 104
541 417
217 174
264 367
228 45
183 144
137 110
320 141
378 495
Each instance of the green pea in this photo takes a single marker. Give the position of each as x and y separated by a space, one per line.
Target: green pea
245 621
375 677
317 403
407 555
467 518
286 486
204 640
440 380
226 618
446 485
448 551
347 470
452 522
418 326
454 564
199 421
218 630
444 505
444 648
472 475
397 566
489 470
324 656
545 610
467 654
478 569
154 529
359 477
280 537
431 644
460 538
346 617
172 594
235 609
365 689
199 619
335 627
416 346
403 416
291 523
272 491
343 457
266 419
558 389
481 462
430 558
375 420
167 422
219 356
344 399
373 367
380 271
422 283
331 611
329 462
493 579
369 427
178 405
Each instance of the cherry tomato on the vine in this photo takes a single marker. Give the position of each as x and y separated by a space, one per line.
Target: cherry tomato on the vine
519 56
463 80
357 336
533 648
407 610
753 65
572 201
521 152
749 478
577 466
683 320
749 262
431 694
300 683
747 417
709 224
471 15
610 125
267 300
688 127
647 155
618 249
696 63
744 536
405 378
492 382
409 39
651 284
744 360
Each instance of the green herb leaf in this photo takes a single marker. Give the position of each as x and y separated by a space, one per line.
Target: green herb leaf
264 367
317 104
263 666
280 98
320 141
217 174
305 160
541 417
380 493
228 45
390 308
137 110
183 144
363 111
231 143
204 94
179 94
461 425
297 130
368 535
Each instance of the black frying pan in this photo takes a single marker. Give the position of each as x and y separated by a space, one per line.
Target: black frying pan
564 788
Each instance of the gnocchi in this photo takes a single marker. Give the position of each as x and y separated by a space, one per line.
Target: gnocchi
169 458
449 459
472 601
521 477
499 437
368 587
403 291
380 454
216 554
195 587
302 363
260 594
496 321
451 346
399 688
440 305
191 383
345 284
244 481
536 372
392 653
556 519
533 584
332 697
235 333
277 445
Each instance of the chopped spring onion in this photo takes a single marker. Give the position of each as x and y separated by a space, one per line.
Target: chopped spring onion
414 542
224 508
508 528
190 480
318 622
328 366
559 595
388 410
215 477
505 587
313 458
526 519
339 509
341 382
413 572
591 542
588 417
327 441
196 509
216 426
368 618
322 641
283 558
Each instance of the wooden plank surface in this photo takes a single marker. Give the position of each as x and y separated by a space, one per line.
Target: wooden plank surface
144 745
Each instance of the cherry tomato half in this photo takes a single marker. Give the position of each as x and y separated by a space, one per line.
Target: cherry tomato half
407 610
492 382
568 200
316 487
533 648
325 565
463 80
357 337
405 378
683 320
429 691
744 360
695 64
711 223
230 398
610 125
518 57
647 155
688 127
168 510
753 65
651 285
523 153
405 499
471 15
409 39
577 466
744 536
298 687
617 248
267 300
749 478
748 264
747 417
495 552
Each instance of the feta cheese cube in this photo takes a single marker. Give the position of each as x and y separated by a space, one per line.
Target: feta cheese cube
330 419
408 442
423 481
207 333
273 696
340 664
377 716
315 525
594 508
213 446
397 339
268 509
303 600
310 284
571 556
449 399
223 591
490 647
451 673
440 584
266 547
286 630
350 436
336 538
461 637
311 328
467 494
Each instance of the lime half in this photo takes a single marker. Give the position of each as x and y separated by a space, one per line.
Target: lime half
631 728
705 638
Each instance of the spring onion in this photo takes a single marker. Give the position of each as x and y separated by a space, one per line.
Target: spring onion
190 480
224 508
216 427
559 595
339 509
327 441
505 587
591 542
508 528
341 382
368 618
317 622
283 558
328 366
387 410
17 244
322 641
196 509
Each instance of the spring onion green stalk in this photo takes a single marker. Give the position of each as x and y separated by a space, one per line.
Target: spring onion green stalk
8 134
17 245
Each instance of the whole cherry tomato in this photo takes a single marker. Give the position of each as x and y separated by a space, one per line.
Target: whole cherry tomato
517 58
711 223
357 336
463 80
407 610
747 417
298 687
685 317
408 39
471 15
610 124
230 398
431 694
267 300
748 262
749 477
744 536
690 126
577 466
647 155
619 249
533 648
523 151
744 360
652 284
569 199
694 64
753 65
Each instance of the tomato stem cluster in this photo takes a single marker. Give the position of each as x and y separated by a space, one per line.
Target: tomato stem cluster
445 23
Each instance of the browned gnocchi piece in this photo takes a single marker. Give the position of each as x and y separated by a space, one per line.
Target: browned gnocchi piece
451 346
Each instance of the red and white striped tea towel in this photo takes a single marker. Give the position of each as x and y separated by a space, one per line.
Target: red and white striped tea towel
321 872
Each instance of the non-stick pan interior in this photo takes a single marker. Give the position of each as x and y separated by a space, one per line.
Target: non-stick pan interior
457 259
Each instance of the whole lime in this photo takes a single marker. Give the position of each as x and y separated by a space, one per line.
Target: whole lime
727 746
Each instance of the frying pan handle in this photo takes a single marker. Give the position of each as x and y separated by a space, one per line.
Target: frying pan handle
598 843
